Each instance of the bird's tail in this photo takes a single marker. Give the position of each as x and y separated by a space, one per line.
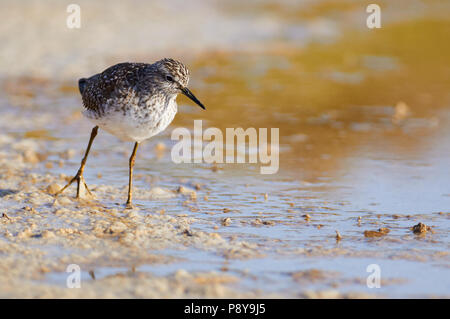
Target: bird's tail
81 84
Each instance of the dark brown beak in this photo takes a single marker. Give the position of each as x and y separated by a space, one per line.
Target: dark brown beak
192 97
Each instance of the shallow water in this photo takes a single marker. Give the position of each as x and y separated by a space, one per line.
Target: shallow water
364 132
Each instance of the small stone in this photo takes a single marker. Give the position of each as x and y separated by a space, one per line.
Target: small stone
420 228
373 233
226 221
44 269
257 221
53 188
30 209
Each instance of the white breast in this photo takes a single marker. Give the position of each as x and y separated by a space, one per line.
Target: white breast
133 126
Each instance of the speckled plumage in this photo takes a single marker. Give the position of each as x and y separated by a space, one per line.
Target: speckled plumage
134 101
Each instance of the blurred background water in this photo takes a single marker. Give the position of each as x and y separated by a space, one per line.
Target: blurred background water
363 117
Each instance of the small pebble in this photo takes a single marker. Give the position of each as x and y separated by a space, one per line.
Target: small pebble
420 228
376 233
53 188
226 221
160 147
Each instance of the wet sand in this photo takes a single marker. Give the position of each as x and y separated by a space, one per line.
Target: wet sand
364 146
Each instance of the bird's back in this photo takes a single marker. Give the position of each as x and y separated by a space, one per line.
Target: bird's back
111 85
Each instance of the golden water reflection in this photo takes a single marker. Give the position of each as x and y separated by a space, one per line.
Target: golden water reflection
387 85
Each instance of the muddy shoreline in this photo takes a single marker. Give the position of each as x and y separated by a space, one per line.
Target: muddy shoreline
364 145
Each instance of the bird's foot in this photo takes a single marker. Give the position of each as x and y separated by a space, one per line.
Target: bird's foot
129 205
82 189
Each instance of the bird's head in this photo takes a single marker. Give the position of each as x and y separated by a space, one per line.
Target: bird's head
173 77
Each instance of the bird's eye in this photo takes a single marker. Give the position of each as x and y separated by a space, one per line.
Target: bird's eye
169 78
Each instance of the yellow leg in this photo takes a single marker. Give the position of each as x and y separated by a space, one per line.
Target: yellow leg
130 180
79 176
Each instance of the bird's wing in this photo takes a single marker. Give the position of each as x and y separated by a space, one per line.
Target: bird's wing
113 82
